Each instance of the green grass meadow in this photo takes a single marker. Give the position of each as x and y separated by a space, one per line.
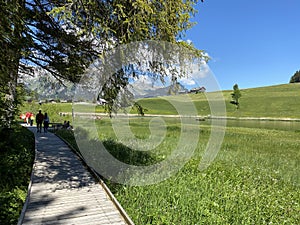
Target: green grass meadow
255 178
280 101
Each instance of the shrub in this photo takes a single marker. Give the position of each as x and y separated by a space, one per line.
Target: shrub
16 160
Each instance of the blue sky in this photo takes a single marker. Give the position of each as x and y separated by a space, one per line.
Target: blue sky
252 43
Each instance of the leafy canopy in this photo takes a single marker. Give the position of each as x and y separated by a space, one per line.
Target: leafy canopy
236 96
65 36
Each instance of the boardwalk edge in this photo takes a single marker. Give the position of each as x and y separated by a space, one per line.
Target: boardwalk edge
102 183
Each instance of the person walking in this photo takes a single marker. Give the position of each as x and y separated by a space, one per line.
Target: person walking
27 117
46 122
31 119
39 121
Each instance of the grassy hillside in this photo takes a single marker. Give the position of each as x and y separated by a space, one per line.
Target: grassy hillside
272 101
280 101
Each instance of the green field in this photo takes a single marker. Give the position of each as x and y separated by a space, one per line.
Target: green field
280 101
255 178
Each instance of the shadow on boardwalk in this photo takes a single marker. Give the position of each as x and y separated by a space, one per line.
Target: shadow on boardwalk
62 190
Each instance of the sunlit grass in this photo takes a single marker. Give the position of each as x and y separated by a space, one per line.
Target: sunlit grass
253 180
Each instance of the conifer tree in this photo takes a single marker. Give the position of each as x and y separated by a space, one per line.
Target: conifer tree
296 77
59 36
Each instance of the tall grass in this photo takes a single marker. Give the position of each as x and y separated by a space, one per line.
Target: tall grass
253 180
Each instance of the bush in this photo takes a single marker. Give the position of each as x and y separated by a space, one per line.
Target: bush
16 160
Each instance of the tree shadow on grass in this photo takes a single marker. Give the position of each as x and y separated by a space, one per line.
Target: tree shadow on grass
129 155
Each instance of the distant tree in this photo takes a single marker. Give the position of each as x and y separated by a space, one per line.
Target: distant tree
296 77
236 96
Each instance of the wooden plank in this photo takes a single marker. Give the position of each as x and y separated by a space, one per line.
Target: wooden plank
63 191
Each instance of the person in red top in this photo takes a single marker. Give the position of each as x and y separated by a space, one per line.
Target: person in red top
39 121
27 117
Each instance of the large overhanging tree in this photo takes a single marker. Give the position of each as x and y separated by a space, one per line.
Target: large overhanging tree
31 37
65 36
120 22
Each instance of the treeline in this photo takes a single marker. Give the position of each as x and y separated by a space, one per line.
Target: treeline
296 77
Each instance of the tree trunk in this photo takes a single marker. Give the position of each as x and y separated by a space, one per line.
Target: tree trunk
10 58
11 95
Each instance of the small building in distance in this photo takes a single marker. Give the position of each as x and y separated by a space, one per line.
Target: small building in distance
197 90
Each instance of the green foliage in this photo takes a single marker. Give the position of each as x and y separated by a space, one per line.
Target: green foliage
64 37
16 160
236 96
140 110
123 22
114 24
296 77
10 106
31 37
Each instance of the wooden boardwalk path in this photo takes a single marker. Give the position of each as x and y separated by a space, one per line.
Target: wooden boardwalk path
62 191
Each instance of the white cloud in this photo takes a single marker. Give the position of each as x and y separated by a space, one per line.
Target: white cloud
198 71
204 70
187 81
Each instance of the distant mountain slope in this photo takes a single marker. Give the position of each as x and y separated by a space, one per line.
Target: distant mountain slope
148 91
45 86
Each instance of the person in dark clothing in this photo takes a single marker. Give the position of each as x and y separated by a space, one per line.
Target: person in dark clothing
39 121
46 122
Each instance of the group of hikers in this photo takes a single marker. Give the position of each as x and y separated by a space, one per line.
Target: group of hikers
28 117
42 121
